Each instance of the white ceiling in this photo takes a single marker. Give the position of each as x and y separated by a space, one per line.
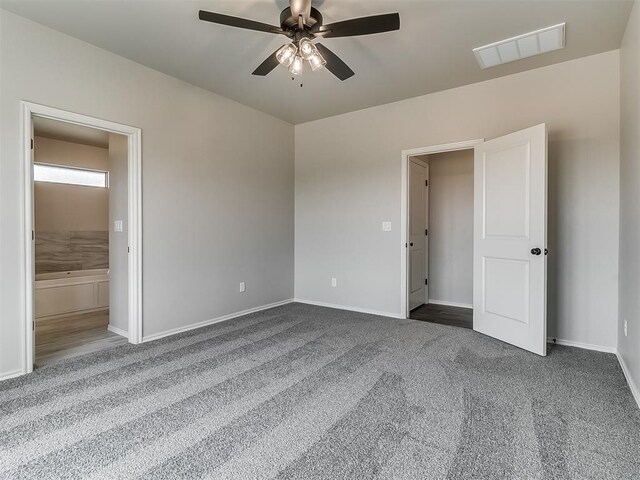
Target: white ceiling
69 132
431 52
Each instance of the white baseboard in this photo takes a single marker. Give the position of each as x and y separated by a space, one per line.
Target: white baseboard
7 376
118 331
635 390
450 304
586 346
193 326
351 309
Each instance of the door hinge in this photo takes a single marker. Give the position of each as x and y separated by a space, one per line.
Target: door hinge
33 325
426 183
33 235
426 232
32 144
426 281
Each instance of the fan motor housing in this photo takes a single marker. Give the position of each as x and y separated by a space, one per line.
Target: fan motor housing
289 22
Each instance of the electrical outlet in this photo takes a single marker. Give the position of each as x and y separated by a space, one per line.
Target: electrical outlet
334 282
386 226
625 327
242 287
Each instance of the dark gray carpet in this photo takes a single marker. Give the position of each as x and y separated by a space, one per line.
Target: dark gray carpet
303 392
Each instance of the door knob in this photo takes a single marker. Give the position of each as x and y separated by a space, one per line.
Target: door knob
536 251
411 244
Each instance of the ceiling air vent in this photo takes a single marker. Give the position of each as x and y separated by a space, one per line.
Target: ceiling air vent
523 46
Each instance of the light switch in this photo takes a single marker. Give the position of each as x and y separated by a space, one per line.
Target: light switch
117 225
386 226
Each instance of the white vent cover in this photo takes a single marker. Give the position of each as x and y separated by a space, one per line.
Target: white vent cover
523 46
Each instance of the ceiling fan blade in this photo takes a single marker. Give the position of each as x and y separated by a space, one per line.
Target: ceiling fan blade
300 7
267 66
361 26
238 22
335 64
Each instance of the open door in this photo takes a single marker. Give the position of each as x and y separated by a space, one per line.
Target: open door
510 239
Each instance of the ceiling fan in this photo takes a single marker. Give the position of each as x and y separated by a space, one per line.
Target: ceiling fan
302 24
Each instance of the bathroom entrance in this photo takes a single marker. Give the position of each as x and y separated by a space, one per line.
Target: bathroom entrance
79 191
82 199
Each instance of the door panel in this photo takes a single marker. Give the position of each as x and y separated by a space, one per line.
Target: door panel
506 287
510 202
417 225
507 176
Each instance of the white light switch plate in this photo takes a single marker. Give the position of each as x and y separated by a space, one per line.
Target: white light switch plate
117 225
386 226
243 287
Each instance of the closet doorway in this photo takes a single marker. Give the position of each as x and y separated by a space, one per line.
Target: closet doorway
509 268
441 237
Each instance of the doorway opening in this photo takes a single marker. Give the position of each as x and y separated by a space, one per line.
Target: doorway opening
439 259
447 238
509 236
82 249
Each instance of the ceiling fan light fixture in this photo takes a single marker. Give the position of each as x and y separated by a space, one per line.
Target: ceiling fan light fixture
317 61
307 49
297 65
287 54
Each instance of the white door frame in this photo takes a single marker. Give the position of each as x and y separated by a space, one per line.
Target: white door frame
134 135
404 210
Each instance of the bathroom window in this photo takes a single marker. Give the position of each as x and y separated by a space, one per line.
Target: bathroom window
70 175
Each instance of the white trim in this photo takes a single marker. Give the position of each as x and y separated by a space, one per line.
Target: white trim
635 390
585 346
29 110
351 309
118 331
224 318
450 304
14 374
404 204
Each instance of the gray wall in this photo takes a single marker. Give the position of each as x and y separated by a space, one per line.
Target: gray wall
347 185
217 181
629 347
118 241
451 227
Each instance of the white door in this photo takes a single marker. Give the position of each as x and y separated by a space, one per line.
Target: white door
510 238
417 226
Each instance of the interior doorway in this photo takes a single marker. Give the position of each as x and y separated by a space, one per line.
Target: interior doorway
78 175
441 237
509 235
82 224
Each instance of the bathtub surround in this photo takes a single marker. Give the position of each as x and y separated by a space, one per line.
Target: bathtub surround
69 251
65 293
305 392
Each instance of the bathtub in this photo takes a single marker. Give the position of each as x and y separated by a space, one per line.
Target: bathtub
64 293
